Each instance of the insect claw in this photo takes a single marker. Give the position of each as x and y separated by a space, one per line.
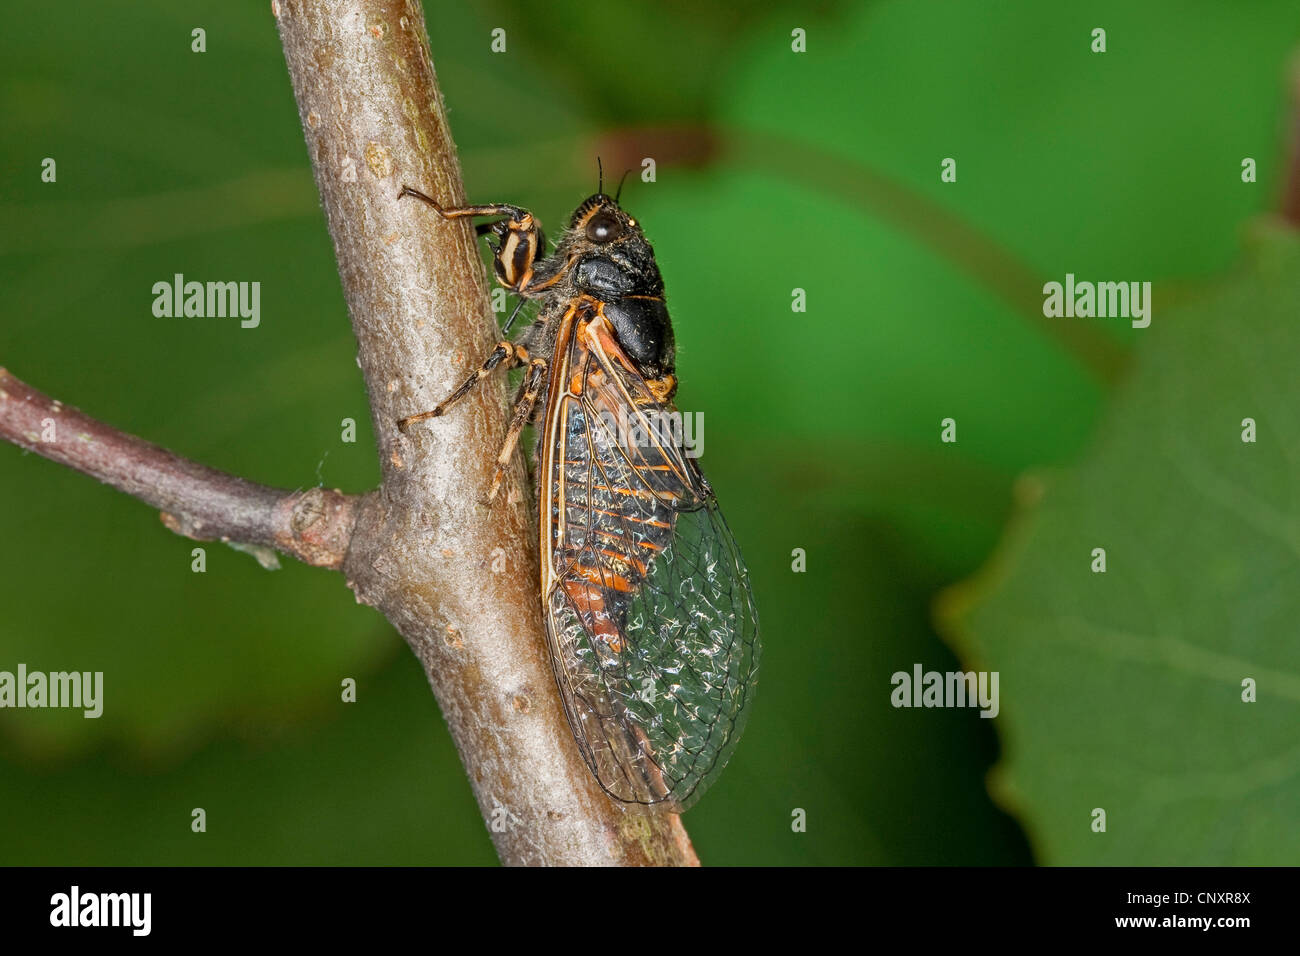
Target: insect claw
416 194
404 423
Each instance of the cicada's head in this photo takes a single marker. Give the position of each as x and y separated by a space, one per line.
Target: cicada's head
612 256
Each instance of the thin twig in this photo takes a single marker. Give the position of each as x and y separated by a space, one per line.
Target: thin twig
313 526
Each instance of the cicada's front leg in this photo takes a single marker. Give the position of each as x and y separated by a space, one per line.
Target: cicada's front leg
521 244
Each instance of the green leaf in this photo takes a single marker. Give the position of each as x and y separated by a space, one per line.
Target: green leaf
1123 690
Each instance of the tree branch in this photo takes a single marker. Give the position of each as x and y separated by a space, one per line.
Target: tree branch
199 502
426 549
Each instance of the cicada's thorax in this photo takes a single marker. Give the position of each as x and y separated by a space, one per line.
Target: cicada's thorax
632 301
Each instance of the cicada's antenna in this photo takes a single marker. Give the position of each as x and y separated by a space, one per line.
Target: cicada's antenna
600 176
621 182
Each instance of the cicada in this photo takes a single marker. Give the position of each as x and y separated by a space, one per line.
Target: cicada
650 619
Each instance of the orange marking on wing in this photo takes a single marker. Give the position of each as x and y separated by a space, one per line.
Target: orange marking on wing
635 492
553 440
614 514
623 558
606 579
637 467
610 535
613 536
590 603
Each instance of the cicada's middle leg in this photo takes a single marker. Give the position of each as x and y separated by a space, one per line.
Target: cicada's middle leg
506 353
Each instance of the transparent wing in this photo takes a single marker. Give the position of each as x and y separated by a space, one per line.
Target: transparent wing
652 626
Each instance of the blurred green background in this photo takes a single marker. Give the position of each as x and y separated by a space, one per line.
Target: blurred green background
776 170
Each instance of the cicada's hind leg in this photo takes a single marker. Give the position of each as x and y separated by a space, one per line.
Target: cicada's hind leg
525 401
506 353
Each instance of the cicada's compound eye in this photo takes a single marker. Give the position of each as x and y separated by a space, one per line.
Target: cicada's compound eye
605 226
